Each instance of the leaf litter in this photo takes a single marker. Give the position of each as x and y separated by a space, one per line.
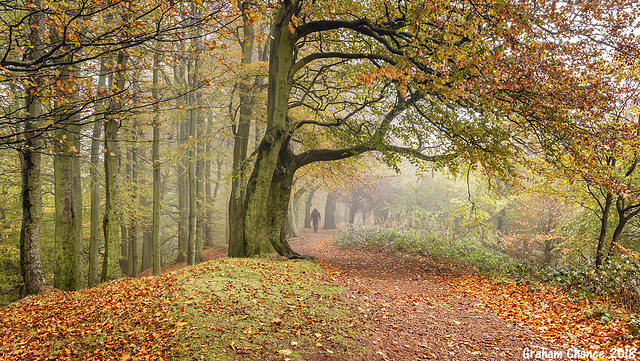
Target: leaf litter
366 305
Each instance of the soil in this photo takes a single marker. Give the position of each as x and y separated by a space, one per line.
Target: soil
407 309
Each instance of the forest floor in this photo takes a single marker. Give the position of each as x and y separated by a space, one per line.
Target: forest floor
408 311
358 304
412 314
414 308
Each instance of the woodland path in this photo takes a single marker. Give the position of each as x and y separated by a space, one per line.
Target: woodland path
411 313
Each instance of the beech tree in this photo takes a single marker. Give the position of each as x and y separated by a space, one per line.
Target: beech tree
448 83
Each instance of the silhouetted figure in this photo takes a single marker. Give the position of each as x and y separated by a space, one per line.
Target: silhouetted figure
315 219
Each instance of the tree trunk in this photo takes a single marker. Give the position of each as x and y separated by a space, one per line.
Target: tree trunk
265 219
501 219
200 191
94 175
191 241
208 201
124 248
68 214
295 211
292 225
30 159
625 213
353 209
146 260
111 218
330 212
198 135
133 225
155 158
182 169
94 237
604 220
269 186
307 207
241 144
183 199
68 275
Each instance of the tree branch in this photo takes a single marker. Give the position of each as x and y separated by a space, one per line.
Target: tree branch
335 54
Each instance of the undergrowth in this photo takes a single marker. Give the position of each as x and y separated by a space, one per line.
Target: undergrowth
465 251
617 279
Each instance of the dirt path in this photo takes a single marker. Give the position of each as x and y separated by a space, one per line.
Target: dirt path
412 313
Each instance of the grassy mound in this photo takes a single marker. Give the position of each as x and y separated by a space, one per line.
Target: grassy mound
228 309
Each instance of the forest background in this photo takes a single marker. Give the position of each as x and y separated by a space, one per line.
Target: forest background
135 134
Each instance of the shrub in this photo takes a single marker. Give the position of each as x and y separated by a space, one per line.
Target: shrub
425 242
618 278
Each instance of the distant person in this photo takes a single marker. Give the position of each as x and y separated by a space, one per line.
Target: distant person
315 219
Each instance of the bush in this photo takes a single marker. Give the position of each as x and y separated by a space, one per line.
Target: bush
466 250
618 279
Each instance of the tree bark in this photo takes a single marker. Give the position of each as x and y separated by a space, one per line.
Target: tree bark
295 211
30 159
155 158
330 212
604 220
191 240
307 207
269 186
66 169
208 201
68 272
111 224
625 213
133 219
94 236
182 170
292 225
241 144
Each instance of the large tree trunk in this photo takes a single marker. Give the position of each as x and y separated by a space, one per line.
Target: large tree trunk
66 168
269 186
241 144
330 212
30 159
68 272
111 218
31 230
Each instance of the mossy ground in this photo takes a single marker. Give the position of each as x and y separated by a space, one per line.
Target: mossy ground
261 309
